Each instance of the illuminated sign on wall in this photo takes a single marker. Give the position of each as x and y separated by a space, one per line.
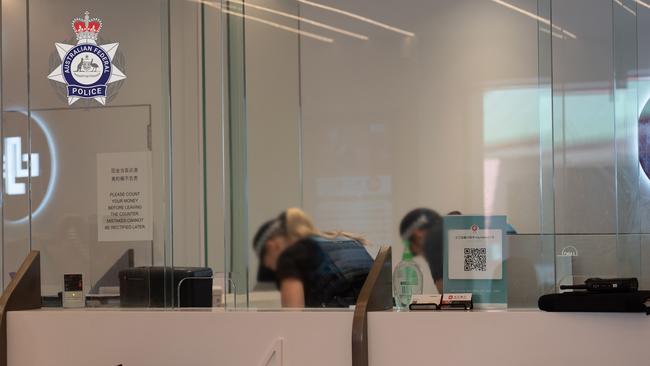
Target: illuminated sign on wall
644 139
16 165
22 194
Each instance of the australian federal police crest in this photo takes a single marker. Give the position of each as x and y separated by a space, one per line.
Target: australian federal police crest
86 68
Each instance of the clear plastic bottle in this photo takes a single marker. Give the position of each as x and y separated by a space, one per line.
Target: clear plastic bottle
407 280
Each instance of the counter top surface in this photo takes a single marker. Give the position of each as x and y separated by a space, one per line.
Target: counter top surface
245 337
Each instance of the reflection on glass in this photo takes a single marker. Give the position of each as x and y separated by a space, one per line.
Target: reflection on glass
358 17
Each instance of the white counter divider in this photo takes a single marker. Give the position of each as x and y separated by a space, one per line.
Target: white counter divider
216 337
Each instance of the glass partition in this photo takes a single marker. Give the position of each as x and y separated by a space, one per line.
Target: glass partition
65 154
216 116
359 111
595 118
106 108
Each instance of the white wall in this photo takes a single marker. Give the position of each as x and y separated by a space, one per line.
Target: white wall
407 118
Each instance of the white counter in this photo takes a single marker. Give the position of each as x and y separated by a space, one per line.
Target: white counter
204 337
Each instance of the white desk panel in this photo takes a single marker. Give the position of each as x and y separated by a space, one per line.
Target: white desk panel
166 338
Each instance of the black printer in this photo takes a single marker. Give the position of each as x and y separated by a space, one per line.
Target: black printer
157 287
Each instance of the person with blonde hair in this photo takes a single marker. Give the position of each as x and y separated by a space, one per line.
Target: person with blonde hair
311 268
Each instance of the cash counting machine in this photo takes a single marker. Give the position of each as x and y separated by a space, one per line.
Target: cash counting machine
166 287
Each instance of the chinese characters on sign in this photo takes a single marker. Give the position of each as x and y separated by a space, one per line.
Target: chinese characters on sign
124 196
473 258
124 174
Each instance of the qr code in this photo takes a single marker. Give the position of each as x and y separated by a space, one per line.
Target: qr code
475 259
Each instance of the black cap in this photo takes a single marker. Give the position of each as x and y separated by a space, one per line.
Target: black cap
419 218
263 234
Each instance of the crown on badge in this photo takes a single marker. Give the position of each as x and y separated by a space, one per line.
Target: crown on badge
86 28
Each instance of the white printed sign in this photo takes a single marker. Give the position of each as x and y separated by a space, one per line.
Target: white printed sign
475 255
124 197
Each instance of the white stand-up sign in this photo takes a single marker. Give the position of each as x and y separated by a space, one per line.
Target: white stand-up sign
475 254
124 197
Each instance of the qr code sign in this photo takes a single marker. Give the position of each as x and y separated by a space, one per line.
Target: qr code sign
475 259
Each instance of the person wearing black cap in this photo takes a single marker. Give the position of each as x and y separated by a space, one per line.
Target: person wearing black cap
311 268
267 233
421 231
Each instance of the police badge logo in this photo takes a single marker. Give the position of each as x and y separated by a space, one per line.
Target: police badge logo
86 68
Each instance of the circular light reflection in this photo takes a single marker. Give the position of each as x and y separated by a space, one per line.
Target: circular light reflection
53 169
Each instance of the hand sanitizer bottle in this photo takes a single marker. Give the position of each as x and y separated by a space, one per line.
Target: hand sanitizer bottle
407 280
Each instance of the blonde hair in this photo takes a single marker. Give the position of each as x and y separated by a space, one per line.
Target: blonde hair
298 225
